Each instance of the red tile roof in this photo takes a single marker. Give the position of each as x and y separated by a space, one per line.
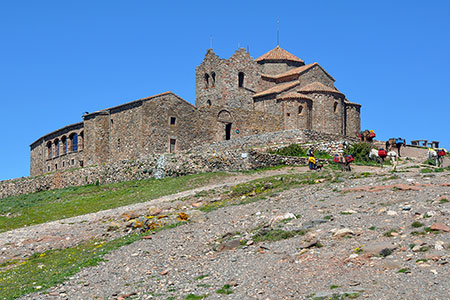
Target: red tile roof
319 87
293 95
277 89
296 71
278 53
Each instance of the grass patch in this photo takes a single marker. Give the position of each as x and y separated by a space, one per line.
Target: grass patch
226 289
372 228
404 271
195 297
201 277
340 296
52 267
416 224
53 205
274 235
332 287
390 232
434 170
443 200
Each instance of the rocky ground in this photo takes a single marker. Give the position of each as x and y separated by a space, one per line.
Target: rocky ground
370 234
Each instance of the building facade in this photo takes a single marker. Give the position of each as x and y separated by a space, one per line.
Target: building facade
235 97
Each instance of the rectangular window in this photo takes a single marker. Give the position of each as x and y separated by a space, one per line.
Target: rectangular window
172 145
73 161
173 120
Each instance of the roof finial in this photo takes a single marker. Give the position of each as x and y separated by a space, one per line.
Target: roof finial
278 31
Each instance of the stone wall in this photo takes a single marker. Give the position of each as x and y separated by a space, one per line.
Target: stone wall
230 155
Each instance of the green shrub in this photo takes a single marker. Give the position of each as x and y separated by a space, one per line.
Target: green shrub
360 151
291 150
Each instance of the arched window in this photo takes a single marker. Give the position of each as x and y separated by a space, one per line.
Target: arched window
74 142
335 106
300 109
241 79
206 79
49 150
208 102
81 140
213 77
56 147
64 143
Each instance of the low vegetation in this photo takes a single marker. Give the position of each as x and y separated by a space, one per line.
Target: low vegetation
41 207
44 270
297 150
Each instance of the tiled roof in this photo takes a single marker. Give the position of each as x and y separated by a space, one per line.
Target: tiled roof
296 71
319 87
277 89
278 53
293 95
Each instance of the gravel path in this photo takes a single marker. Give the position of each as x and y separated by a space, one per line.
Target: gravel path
201 257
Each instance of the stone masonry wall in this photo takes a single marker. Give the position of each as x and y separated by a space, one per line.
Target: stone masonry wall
220 156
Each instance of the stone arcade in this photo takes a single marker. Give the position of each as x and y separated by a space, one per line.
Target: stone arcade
236 97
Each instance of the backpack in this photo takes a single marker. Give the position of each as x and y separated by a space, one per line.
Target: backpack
309 152
349 158
382 153
399 141
336 158
441 153
372 134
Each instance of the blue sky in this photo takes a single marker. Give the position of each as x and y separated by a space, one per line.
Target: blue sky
59 59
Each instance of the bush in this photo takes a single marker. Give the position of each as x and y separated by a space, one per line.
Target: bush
291 150
296 150
360 151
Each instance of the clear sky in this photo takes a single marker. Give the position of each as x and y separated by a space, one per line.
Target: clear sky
59 59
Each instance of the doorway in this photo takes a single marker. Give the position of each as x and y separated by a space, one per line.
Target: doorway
228 131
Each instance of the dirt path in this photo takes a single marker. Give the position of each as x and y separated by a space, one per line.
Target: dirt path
23 242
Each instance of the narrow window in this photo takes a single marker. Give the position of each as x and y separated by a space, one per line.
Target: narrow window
81 140
73 161
173 120
64 143
208 102
63 163
335 106
74 140
56 147
213 78
241 79
56 166
206 80
81 163
172 145
300 109
48 168
288 114
49 150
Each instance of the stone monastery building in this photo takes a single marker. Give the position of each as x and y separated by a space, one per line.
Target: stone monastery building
236 97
